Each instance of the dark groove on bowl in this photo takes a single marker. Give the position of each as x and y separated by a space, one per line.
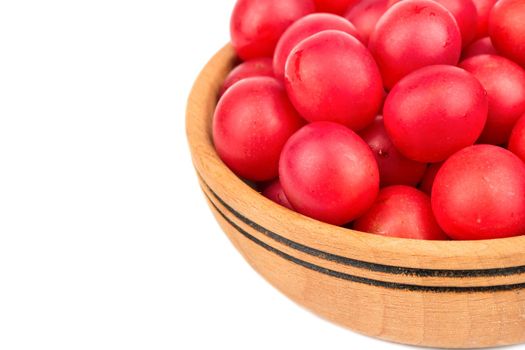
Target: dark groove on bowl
396 270
364 280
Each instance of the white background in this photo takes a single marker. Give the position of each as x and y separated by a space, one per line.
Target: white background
106 241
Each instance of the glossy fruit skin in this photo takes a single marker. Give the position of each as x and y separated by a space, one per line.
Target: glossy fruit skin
252 122
331 76
258 67
483 8
329 173
334 6
428 179
274 191
365 14
434 112
257 25
504 82
304 28
401 211
394 168
517 139
413 34
481 46
479 193
507 29
465 14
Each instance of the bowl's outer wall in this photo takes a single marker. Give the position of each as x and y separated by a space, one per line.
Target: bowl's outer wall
443 294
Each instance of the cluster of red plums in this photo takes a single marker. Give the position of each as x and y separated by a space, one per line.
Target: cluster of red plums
404 118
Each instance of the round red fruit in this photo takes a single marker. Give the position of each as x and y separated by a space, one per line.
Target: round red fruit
394 168
258 67
252 122
483 8
401 211
334 6
304 28
465 14
479 193
329 173
428 179
257 25
331 76
434 112
365 14
504 82
413 34
274 191
517 139
481 46
507 29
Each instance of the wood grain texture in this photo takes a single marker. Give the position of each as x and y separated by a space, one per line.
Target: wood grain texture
427 293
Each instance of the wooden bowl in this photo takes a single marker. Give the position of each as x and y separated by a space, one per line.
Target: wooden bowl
429 293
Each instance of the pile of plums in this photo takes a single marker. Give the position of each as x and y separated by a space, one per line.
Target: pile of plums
404 118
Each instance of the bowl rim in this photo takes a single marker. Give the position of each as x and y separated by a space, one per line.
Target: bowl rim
490 255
